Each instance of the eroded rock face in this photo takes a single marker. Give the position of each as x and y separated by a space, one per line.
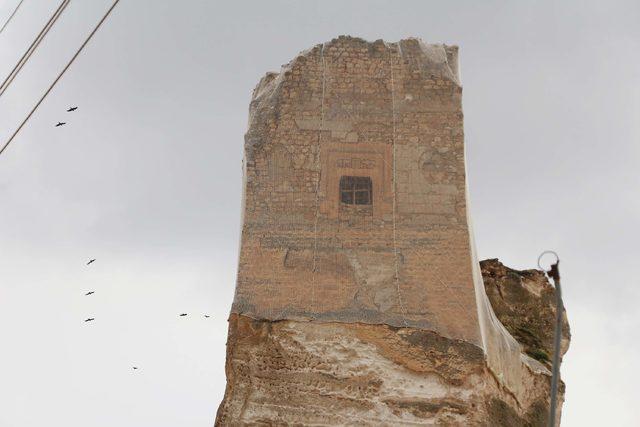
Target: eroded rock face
524 301
306 373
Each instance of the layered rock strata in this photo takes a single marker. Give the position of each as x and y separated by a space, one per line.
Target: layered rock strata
524 302
306 373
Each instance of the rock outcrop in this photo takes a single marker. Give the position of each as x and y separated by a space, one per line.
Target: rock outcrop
305 373
524 302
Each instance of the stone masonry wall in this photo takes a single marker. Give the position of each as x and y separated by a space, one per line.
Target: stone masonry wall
373 314
391 112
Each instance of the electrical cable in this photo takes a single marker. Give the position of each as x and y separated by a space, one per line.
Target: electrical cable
59 76
11 16
34 45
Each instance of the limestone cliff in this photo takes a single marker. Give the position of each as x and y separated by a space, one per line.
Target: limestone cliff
304 373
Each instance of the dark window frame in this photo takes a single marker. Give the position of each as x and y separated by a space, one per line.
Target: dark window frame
356 190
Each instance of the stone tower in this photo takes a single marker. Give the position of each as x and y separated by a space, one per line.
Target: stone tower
359 298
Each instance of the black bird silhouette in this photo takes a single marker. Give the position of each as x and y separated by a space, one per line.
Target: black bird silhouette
61 124
135 367
183 314
207 316
90 261
89 293
72 109
90 319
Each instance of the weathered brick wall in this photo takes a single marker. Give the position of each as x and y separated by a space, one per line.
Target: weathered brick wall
370 314
391 112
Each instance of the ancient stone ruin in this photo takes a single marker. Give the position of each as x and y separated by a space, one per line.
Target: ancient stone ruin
359 297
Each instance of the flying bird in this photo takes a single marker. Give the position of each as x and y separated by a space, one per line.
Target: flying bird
135 367
207 316
89 293
72 109
61 124
90 261
90 319
183 314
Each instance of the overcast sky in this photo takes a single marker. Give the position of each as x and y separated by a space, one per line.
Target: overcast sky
146 178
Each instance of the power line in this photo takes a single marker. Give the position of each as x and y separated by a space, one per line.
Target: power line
11 16
59 76
34 45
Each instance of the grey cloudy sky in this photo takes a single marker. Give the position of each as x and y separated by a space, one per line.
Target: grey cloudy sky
146 177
